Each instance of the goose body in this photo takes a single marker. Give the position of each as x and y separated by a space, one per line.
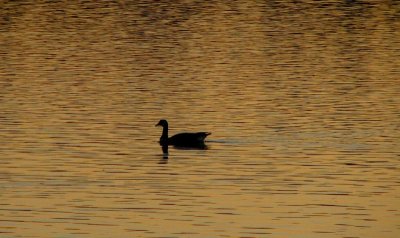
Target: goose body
182 139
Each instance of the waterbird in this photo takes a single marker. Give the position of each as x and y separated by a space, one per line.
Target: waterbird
195 139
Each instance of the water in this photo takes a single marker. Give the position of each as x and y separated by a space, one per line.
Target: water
301 99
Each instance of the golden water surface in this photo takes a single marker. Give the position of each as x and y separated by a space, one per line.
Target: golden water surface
301 97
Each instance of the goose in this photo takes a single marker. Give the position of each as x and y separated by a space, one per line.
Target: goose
182 139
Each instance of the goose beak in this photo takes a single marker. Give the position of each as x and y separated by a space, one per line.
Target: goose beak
158 124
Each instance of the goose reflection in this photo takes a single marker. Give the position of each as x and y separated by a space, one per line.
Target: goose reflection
165 154
165 151
164 159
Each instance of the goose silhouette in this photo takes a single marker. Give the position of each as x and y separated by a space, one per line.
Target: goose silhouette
195 139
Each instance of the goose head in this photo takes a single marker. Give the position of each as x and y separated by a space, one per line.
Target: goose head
162 123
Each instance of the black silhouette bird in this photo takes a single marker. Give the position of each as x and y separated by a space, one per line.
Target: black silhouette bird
182 139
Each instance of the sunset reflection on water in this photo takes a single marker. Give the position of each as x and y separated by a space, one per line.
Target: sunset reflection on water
301 99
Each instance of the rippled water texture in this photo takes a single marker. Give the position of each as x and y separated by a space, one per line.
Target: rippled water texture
301 97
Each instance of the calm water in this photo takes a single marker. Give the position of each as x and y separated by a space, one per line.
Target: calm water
302 99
